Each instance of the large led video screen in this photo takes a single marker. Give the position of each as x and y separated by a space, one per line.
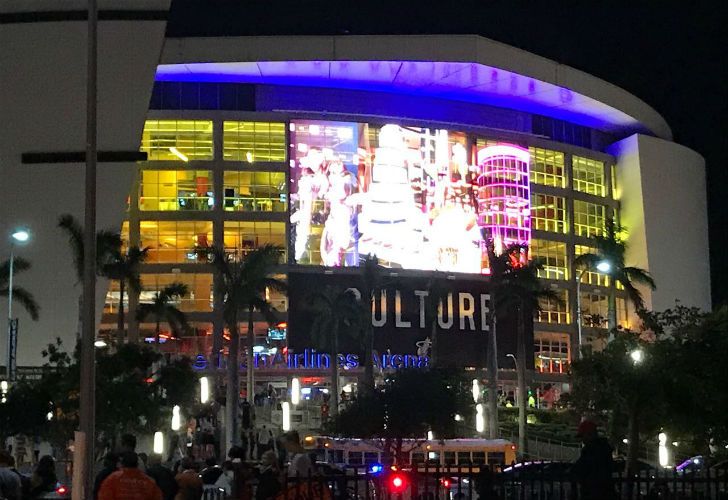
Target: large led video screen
417 198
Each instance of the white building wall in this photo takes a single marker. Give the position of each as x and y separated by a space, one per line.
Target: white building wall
664 208
42 106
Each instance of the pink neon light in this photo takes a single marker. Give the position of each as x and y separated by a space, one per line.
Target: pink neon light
504 195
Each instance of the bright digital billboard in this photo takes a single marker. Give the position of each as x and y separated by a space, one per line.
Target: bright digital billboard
417 198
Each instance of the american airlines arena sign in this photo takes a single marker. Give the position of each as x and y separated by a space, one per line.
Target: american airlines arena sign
399 316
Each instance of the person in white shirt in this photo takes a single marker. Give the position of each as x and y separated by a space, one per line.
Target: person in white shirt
300 462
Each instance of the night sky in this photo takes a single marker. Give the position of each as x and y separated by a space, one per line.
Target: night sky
670 54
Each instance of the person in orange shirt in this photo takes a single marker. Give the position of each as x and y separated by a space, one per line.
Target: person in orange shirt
129 483
188 481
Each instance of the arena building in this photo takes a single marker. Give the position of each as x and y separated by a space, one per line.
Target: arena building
334 147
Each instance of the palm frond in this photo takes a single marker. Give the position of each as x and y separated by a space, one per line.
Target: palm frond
26 299
639 275
73 229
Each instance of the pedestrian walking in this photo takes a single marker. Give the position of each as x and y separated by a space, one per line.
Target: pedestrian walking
111 465
188 481
10 486
593 469
269 483
129 483
163 477
44 478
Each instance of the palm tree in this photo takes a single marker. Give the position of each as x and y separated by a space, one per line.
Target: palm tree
163 308
372 285
336 312
612 248
20 294
436 295
519 287
243 283
107 242
124 268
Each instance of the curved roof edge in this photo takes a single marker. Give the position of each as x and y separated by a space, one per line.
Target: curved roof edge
598 101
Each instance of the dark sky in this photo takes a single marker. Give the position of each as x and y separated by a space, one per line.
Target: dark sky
671 54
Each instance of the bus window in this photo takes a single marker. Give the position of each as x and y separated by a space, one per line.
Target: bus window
478 457
320 455
449 458
418 458
433 457
464 457
371 457
336 456
355 458
496 458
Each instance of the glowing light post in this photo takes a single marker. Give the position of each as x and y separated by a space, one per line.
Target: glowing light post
603 267
204 390
20 236
286 408
662 450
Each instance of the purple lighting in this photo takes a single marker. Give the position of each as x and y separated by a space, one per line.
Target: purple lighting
459 81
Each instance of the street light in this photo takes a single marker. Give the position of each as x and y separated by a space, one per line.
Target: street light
603 266
204 390
20 236
637 355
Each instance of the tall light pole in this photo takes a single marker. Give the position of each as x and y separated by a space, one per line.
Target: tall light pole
21 236
603 267
521 402
87 400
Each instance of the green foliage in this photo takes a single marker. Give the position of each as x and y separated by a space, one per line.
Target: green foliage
678 388
135 392
163 309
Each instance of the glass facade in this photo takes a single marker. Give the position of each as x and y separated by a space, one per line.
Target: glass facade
176 241
176 140
548 213
553 256
254 141
555 311
547 167
551 352
248 185
254 191
241 237
588 218
589 176
200 285
175 190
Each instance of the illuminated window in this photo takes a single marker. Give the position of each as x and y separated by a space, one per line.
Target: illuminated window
176 140
594 309
547 167
588 176
615 188
199 298
172 190
255 191
241 237
553 311
176 241
551 352
622 318
553 256
254 141
588 218
591 277
548 213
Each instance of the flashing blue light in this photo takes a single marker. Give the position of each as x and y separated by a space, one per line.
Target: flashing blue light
376 468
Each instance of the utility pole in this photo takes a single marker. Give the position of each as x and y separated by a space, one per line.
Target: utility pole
88 360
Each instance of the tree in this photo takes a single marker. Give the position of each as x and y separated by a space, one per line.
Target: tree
612 248
408 405
20 294
163 309
519 287
124 268
132 394
372 286
243 283
336 312
107 243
